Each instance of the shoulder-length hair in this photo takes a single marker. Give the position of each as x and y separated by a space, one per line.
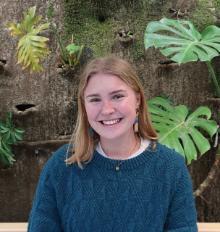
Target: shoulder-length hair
84 141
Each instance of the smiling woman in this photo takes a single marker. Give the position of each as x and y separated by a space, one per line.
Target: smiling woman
111 109
110 90
113 175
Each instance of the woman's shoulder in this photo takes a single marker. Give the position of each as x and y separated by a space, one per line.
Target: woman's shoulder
169 157
59 155
167 163
56 164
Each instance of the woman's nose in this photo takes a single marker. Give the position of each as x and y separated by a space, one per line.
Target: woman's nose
107 107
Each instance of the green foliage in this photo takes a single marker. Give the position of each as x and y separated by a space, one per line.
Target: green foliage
32 47
82 20
70 54
181 130
180 41
204 13
74 53
9 135
50 11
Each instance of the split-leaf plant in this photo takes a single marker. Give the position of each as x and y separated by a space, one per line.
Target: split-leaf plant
9 135
32 46
178 128
181 42
185 132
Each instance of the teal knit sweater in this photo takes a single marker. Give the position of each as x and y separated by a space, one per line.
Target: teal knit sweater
149 193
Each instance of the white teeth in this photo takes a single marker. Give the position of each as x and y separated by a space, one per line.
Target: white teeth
111 122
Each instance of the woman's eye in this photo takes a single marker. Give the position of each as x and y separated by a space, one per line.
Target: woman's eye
118 96
94 100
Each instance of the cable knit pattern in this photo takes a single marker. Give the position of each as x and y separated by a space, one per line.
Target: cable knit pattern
149 193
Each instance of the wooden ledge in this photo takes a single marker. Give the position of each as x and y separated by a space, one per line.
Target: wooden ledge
22 227
13 227
209 227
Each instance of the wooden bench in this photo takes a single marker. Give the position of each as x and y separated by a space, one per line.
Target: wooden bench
22 227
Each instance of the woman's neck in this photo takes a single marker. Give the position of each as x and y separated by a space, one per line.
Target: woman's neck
121 148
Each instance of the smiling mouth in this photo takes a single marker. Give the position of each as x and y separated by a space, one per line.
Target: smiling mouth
111 122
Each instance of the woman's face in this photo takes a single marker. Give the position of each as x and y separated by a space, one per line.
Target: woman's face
110 106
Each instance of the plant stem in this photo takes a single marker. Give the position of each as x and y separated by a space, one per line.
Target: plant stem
212 176
60 43
214 78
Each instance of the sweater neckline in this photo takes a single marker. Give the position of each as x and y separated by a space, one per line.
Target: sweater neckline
118 165
144 143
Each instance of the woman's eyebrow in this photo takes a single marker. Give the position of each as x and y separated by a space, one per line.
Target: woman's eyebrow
111 93
93 95
117 91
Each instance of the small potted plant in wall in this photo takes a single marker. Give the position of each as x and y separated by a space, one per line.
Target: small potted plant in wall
125 36
69 56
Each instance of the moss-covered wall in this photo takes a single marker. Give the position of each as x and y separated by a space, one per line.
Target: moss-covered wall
96 24
205 13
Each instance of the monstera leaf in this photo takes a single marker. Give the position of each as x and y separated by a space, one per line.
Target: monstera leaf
181 130
32 47
181 42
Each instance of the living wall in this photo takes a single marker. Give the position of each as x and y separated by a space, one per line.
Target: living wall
44 103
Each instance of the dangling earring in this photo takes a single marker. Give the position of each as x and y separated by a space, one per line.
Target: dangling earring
91 131
136 124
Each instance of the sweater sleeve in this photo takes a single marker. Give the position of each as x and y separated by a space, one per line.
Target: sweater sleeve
182 215
44 215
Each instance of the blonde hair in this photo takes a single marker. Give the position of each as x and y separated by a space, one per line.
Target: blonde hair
83 142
